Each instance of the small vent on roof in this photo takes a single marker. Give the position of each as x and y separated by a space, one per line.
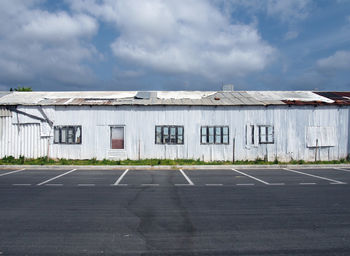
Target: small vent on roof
228 87
145 95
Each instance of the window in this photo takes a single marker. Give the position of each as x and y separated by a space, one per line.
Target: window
117 137
252 141
167 134
214 135
266 134
67 134
250 134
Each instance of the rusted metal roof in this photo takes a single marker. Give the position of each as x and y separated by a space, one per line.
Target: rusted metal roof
340 98
194 98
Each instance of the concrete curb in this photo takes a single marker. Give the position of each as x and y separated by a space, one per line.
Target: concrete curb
161 167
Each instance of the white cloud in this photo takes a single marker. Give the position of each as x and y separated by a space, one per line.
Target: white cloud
37 45
338 61
189 37
59 27
289 11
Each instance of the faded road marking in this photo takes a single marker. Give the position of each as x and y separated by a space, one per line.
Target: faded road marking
254 178
120 179
315 176
186 177
7 173
46 181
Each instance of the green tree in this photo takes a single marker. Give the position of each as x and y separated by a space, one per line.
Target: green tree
21 89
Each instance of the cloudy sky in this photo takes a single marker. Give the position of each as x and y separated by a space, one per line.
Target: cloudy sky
175 44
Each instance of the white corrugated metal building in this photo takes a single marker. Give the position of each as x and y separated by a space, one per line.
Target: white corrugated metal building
205 125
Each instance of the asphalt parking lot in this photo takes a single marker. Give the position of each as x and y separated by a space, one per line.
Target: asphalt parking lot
220 177
304 211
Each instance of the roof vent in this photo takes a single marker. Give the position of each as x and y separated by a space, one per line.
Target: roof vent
142 95
228 87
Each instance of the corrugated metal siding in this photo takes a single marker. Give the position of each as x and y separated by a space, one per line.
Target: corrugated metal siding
290 128
21 140
4 112
290 125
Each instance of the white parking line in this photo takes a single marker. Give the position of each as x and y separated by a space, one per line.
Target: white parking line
213 184
245 184
86 185
187 178
264 182
307 183
151 184
120 179
46 181
340 169
21 184
7 173
315 176
277 184
53 185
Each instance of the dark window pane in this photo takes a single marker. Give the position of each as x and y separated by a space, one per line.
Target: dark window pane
172 131
225 139
70 135
64 135
172 135
262 130
57 135
217 134
166 130
266 134
77 138
180 139
165 134
158 134
169 135
67 134
211 139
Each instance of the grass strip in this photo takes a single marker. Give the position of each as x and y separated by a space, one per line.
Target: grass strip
10 160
